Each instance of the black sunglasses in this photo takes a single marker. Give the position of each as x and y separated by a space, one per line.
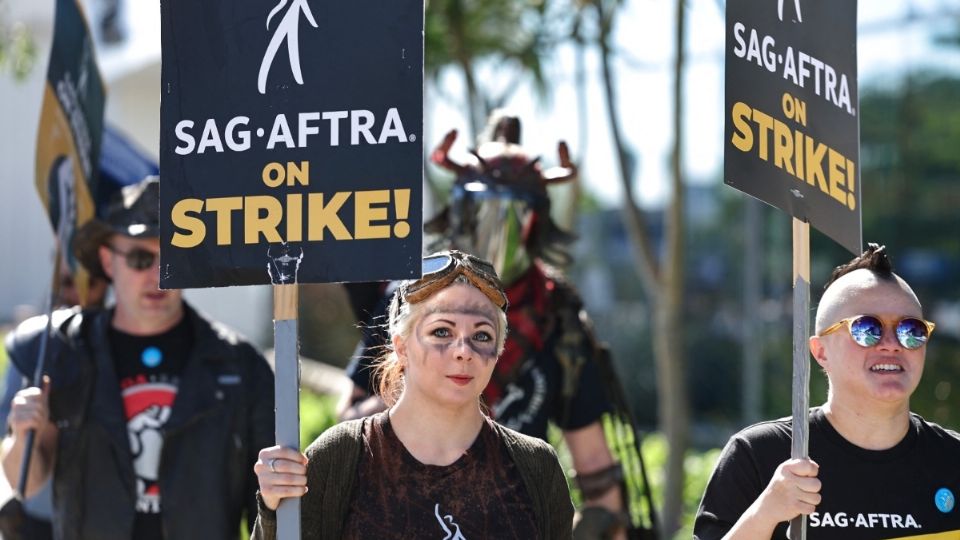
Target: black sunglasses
138 259
867 330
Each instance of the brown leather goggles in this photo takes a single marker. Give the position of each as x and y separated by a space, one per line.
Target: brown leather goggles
439 271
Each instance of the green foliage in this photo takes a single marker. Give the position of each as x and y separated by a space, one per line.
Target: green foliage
18 52
317 413
698 465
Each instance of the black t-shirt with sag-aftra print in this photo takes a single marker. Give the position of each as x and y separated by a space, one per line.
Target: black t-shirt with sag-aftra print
481 495
905 492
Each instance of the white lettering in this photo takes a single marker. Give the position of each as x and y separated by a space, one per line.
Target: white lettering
741 48
334 117
789 68
910 522
280 133
232 142
828 520
305 128
210 137
861 521
815 519
392 127
186 138
360 123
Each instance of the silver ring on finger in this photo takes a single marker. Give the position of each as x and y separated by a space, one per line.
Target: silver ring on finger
271 463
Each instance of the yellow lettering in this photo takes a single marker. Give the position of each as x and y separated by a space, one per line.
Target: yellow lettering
197 230
782 146
294 217
256 224
298 175
223 206
764 122
838 177
365 214
325 217
742 134
273 175
814 160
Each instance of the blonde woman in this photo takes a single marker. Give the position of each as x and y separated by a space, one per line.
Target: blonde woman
432 465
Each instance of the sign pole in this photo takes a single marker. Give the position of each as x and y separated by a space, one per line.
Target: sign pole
287 385
801 355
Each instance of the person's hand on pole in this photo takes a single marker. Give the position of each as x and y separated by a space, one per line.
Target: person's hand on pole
794 490
27 450
282 473
30 410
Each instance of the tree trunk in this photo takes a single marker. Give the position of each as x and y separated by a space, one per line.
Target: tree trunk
673 399
662 283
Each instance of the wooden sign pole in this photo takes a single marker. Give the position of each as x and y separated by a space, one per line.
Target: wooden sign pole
287 385
801 355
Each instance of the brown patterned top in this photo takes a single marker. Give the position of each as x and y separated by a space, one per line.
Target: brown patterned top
481 495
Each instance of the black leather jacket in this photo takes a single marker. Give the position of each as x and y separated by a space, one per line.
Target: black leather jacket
221 418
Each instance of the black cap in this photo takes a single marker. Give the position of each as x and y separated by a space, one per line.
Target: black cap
133 211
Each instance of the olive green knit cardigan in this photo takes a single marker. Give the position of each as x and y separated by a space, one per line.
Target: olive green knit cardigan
332 470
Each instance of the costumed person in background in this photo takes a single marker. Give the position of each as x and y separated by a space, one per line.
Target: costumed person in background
553 368
145 378
432 464
120 164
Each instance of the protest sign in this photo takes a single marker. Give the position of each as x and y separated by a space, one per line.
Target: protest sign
792 134
291 141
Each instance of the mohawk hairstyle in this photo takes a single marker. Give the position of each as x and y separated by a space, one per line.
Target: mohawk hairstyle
874 259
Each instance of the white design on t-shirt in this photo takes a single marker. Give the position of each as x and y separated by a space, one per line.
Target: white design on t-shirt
148 407
444 522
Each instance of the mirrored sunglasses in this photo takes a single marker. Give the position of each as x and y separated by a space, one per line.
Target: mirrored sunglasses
867 330
138 259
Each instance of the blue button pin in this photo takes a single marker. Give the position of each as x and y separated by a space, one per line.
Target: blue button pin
944 500
151 357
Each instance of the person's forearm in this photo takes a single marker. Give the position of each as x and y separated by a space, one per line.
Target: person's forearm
752 525
11 455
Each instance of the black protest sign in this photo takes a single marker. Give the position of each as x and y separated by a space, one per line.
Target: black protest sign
71 126
792 136
291 141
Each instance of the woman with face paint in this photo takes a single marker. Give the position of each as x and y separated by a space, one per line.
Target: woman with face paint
433 465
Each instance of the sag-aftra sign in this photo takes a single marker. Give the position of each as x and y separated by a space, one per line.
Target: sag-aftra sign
291 141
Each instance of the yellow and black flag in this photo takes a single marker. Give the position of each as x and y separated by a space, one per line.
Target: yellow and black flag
71 126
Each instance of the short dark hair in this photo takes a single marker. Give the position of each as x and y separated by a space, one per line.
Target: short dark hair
874 259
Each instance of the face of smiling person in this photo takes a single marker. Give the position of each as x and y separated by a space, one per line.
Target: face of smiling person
452 349
142 308
886 373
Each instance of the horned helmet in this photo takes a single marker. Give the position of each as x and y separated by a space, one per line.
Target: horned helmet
499 208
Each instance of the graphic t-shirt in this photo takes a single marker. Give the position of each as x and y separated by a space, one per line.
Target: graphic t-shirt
148 369
908 491
481 495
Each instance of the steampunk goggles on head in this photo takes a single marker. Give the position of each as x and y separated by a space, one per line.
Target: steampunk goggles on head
441 269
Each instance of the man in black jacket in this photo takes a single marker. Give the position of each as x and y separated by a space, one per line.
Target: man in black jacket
152 416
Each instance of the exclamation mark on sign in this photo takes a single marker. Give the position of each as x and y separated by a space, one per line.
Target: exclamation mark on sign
401 203
852 184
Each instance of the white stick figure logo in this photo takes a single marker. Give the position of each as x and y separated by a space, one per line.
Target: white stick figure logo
446 522
796 4
287 30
